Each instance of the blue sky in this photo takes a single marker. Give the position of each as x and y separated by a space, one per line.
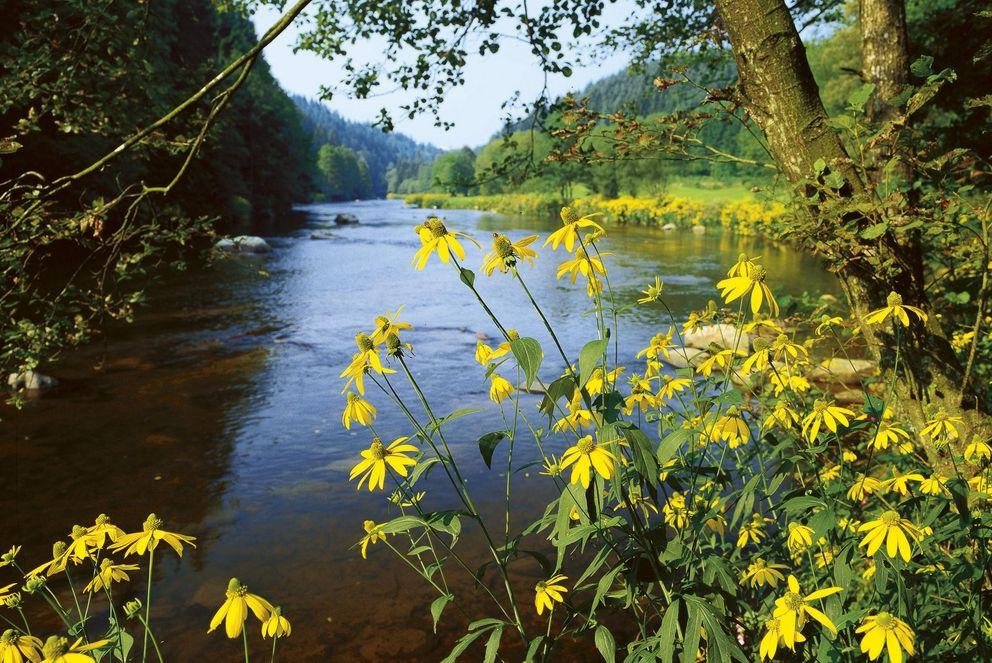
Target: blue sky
473 107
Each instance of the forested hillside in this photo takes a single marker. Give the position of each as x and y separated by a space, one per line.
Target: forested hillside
81 76
353 158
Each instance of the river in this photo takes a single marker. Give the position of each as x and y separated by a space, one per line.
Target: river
219 410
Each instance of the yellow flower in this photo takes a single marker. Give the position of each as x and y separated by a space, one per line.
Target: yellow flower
577 416
826 322
658 345
586 456
388 324
792 610
505 253
800 537
720 360
978 449
485 354
57 564
8 557
58 650
934 485
16 648
895 308
760 573
149 538
234 611
884 630
769 642
863 486
276 626
643 400
548 592
435 236
101 530
653 292
357 409
499 388
829 473
753 531
675 511
366 359
899 483
672 386
377 457
744 266
894 531
735 287
79 544
782 416
598 380
591 267
568 234
731 428
887 434
551 467
825 413
942 426
373 533
109 573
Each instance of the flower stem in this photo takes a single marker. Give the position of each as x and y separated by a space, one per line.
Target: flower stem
148 605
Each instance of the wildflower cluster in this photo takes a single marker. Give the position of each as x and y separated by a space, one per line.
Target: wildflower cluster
91 551
729 499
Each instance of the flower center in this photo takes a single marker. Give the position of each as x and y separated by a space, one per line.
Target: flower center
885 621
758 275
363 342
793 601
55 647
894 299
502 246
59 548
819 407
436 226
78 531
891 518
102 519
568 216
586 445
9 636
352 398
378 449
152 522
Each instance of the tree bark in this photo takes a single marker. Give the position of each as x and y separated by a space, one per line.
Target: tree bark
778 91
884 54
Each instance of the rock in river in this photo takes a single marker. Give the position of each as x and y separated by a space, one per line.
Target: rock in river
721 334
243 244
30 381
345 219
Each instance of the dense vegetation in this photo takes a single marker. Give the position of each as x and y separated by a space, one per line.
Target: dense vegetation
363 158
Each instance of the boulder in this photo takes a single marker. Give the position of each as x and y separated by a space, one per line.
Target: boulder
698 229
850 397
845 371
243 244
321 235
685 357
30 381
669 226
345 219
721 334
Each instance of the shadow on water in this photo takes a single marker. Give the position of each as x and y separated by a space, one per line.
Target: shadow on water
219 410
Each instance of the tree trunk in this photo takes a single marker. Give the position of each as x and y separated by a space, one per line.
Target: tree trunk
780 94
884 54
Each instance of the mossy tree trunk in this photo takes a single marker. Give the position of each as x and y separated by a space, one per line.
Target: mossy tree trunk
777 88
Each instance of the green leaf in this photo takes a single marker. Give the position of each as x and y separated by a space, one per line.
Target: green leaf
690 643
562 387
488 443
672 443
529 355
591 356
603 586
875 231
492 645
464 642
535 644
467 276
666 635
605 643
457 414
819 166
802 503
437 607
834 180
923 66
858 98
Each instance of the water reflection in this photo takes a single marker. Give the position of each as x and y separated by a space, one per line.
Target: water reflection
219 411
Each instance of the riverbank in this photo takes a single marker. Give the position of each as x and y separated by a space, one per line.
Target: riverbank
748 216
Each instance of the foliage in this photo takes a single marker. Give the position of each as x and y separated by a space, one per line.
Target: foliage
731 509
344 175
454 172
77 247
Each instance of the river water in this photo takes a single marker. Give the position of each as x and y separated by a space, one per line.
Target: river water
219 410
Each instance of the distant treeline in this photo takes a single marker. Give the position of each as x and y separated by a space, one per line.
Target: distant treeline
516 161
